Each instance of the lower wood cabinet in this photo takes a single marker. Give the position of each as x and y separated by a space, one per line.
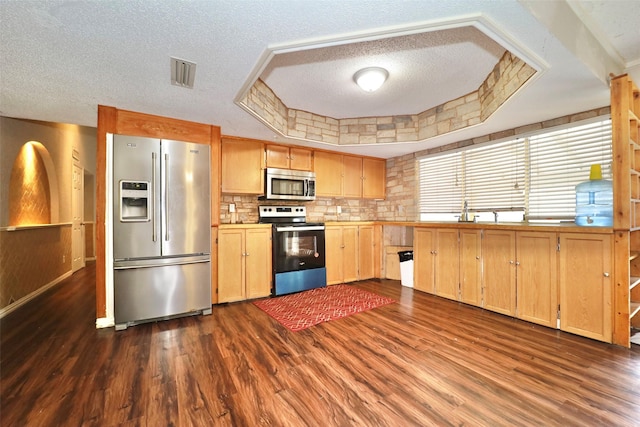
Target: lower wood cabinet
244 263
341 243
352 253
520 275
499 271
537 277
368 252
436 261
471 267
532 275
585 285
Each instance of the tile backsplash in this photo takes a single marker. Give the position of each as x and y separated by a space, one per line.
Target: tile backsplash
320 210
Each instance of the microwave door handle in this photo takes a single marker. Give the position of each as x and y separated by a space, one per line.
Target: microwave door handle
306 187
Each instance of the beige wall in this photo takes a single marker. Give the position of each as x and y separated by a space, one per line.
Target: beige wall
33 258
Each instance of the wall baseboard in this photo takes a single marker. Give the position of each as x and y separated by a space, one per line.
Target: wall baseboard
105 322
24 300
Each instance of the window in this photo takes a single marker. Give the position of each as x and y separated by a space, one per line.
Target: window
533 176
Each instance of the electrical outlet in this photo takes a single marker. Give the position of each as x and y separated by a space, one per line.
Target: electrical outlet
339 209
232 207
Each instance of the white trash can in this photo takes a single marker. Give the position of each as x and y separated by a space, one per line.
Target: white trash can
406 268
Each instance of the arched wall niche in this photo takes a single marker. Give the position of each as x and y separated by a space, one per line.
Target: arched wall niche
33 187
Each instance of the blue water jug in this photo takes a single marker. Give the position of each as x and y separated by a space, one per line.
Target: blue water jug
594 200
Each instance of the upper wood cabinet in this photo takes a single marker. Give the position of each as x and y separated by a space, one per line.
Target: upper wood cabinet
298 158
242 166
340 175
374 175
351 176
328 168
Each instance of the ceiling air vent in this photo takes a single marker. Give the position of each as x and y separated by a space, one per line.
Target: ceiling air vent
183 73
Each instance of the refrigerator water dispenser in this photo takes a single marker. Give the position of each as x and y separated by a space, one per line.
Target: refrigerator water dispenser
134 201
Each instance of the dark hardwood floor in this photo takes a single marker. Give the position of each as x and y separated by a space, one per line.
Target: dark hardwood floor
420 362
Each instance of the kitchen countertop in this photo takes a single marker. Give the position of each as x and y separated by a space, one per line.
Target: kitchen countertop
512 226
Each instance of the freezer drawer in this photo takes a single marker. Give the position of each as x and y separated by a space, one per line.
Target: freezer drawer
158 292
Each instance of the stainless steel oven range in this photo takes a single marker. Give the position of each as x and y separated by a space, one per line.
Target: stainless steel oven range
298 249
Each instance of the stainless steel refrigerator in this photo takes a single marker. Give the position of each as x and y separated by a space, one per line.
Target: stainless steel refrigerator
161 229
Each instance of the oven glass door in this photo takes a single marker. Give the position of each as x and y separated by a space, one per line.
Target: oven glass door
287 187
297 249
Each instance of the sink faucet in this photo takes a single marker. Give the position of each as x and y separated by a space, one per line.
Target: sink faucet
495 216
465 212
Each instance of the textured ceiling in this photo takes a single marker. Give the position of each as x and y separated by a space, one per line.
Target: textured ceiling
60 59
425 70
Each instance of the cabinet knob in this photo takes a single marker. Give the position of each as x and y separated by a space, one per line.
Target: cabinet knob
477 257
606 274
511 261
517 262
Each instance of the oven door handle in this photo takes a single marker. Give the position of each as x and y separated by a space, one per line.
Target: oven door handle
302 228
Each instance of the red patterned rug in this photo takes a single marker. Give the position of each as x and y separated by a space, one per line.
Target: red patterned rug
302 310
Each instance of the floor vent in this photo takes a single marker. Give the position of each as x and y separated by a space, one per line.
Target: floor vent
183 73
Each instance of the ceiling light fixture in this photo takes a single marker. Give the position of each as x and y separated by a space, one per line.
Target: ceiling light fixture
370 79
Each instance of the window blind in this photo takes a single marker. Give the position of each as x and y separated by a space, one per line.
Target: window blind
537 174
440 184
494 176
562 159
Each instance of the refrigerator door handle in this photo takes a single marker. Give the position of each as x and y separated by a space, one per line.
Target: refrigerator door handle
166 197
128 265
153 203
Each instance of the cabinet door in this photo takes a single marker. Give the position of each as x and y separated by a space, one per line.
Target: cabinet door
352 176
585 285
300 159
366 252
499 271
231 265
424 240
447 267
471 267
328 168
277 156
349 253
537 277
242 166
374 176
333 251
258 262
214 265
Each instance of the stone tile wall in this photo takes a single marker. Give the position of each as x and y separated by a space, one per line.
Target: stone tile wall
509 74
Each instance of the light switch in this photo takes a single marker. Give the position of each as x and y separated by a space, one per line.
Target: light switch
339 209
232 207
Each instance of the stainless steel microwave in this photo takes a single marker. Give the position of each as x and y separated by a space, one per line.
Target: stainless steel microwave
285 184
